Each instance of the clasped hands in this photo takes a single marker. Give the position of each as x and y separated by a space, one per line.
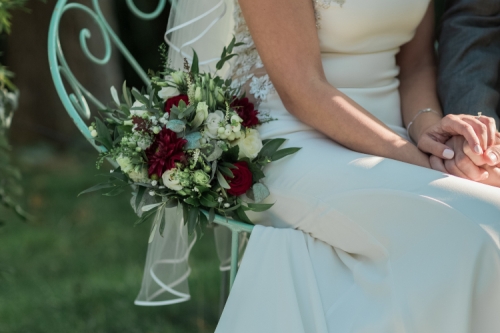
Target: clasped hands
475 143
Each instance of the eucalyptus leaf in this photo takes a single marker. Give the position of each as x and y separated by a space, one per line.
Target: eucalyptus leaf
114 192
260 192
215 154
153 232
226 171
193 140
176 125
208 201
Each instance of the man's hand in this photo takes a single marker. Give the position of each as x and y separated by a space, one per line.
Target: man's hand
466 164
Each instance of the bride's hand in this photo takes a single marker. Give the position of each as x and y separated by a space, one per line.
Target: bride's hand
479 133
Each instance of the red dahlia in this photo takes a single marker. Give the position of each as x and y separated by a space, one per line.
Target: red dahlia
246 111
174 101
164 152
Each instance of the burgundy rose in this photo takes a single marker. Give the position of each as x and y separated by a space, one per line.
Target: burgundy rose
164 152
242 179
174 101
246 111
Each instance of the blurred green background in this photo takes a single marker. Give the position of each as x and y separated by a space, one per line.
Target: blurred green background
77 267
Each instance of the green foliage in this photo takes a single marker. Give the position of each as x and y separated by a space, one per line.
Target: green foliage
79 266
6 6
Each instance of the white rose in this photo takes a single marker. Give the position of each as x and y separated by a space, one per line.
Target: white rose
139 176
212 123
250 144
167 92
125 163
170 180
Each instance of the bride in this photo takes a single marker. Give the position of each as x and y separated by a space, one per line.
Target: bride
387 243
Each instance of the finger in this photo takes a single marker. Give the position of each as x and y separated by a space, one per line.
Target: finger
452 169
468 168
480 129
478 160
492 155
454 125
430 146
437 164
491 127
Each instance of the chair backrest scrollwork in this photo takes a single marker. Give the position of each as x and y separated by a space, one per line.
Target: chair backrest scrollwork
76 102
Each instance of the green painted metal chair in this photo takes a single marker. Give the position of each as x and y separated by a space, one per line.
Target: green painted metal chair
76 101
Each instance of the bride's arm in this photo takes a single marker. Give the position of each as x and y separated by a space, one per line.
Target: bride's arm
284 32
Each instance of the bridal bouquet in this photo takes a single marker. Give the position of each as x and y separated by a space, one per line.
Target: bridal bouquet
190 141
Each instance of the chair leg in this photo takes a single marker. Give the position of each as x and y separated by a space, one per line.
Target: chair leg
224 290
235 239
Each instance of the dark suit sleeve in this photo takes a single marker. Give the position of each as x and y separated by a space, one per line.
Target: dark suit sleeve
469 57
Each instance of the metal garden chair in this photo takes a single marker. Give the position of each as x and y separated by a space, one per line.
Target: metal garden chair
76 101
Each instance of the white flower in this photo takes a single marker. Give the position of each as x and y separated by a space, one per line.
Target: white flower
139 112
152 193
226 205
154 183
178 77
170 180
212 123
167 92
125 163
143 142
139 176
201 114
250 144
93 133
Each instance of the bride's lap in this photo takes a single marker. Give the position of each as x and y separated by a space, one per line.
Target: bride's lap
356 202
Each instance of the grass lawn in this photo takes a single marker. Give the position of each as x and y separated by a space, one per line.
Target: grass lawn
78 267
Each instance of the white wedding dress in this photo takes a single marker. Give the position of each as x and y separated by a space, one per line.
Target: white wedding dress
371 244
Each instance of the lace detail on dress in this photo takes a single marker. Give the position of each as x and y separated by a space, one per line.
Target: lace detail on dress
323 4
247 69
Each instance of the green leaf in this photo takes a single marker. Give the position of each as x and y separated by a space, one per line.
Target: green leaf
284 152
207 201
211 215
203 219
270 147
222 181
126 94
259 207
242 216
194 66
114 192
140 97
257 173
145 217
140 194
226 171
231 155
260 192
97 187
193 215
192 201
103 134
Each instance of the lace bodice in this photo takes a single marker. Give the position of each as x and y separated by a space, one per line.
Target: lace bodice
247 69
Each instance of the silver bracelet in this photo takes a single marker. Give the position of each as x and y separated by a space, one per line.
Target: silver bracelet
416 116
